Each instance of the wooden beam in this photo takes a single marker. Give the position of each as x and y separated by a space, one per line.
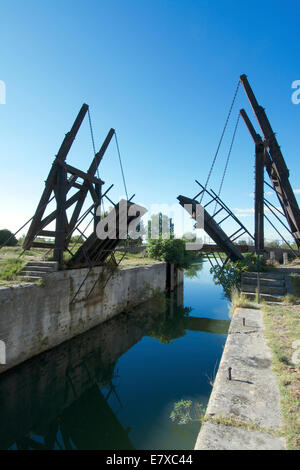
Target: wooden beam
98 157
259 197
83 175
97 218
53 214
265 126
61 156
76 185
255 136
280 184
60 229
42 245
46 233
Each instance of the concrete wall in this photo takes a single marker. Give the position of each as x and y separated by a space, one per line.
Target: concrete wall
34 319
34 395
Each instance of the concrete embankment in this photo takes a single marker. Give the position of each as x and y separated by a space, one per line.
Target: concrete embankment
42 393
36 318
244 412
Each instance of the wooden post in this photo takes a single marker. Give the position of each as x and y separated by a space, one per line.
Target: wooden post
259 198
97 217
60 229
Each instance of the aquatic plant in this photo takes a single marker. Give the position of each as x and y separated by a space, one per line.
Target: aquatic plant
184 411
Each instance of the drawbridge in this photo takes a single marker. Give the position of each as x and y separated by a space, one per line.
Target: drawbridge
61 211
72 203
214 229
94 249
268 156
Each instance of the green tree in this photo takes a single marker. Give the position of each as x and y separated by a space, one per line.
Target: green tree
172 251
166 328
7 238
273 244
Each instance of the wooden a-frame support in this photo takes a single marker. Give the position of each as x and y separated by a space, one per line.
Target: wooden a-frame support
62 177
273 161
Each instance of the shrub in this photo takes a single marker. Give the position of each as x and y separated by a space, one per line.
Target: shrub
172 251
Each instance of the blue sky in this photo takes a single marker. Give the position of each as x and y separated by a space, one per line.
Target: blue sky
162 73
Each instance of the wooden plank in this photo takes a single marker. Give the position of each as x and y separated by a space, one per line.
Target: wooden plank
83 175
42 245
76 185
46 233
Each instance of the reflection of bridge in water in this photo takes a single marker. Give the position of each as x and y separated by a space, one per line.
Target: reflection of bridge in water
60 399
52 400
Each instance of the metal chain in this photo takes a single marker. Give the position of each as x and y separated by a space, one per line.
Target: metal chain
92 137
122 171
228 156
221 139
94 149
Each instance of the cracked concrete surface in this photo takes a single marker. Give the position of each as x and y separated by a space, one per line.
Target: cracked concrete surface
251 396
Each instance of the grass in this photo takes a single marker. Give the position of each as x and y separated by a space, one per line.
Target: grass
10 267
282 329
11 261
17 251
240 300
131 260
290 299
232 421
295 263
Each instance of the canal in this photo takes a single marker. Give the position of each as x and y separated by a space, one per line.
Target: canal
138 381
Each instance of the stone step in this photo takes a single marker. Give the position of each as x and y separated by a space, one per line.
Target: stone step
278 276
26 273
266 297
264 289
265 282
45 264
42 269
31 278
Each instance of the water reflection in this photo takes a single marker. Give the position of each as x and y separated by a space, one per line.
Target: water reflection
194 270
89 393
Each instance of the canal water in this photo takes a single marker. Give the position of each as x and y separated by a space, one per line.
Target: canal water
138 381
